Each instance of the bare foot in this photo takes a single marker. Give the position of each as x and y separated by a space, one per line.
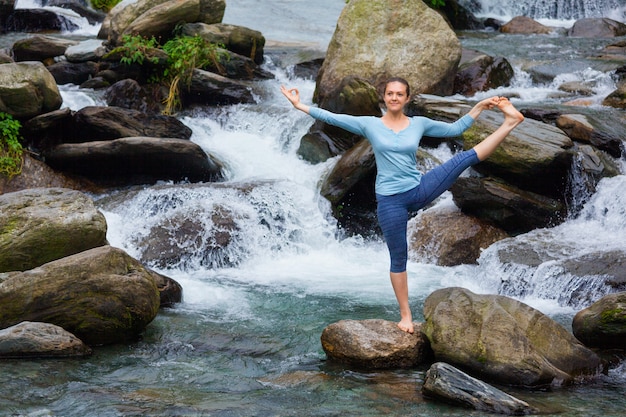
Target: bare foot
510 112
406 326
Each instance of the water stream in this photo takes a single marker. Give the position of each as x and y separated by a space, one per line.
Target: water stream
245 341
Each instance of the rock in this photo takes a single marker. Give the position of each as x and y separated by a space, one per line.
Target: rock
170 291
81 7
40 340
374 344
38 131
525 25
448 237
121 16
212 230
28 89
449 384
40 48
617 98
533 150
366 44
508 207
354 96
480 72
44 224
65 72
38 20
102 295
36 174
238 39
96 123
212 90
161 20
135 160
88 50
582 128
212 11
129 94
603 324
597 28
503 340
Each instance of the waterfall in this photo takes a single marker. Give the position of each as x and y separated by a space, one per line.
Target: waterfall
76 20
543 9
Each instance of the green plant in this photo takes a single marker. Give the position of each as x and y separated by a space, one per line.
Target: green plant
135 49
104 5
185 54
11 152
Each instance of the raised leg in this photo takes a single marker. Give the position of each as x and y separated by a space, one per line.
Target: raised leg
512 118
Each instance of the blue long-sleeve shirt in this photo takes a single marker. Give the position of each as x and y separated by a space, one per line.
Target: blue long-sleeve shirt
395 152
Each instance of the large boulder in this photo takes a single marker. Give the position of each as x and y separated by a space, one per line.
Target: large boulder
382 38
603 324
27 89
481 72
40 340
44 224
602 134
38 20
212 89
374 344
503 340
135 160
597 28
533 150
242 41
160 21
102 296
524 25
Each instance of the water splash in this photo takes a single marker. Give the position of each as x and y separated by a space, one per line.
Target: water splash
564 10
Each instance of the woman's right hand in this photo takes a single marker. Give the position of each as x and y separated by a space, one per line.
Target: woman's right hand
293 95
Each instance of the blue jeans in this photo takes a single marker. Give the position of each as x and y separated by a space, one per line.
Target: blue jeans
393 210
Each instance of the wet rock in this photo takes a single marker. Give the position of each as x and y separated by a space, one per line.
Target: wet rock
44 224
617 98
37 174
81 7
583 129
40 48
40 340
449 237
28 90
211 89
135 160
525 25
374 344
98 123
170 291
365 45
508 207
88 50
65 72
161 20
451 385
480 72
242 41
603 324
102 295
504 340
129 94
533 150
597 28
37 21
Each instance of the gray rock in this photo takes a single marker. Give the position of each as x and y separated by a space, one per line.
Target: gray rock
40 340
28 90
449 384
44 224
374 344
504 340
101 295
603 324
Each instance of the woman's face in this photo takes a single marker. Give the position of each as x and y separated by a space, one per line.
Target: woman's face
396 96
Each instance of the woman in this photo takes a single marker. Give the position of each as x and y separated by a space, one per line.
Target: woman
400 187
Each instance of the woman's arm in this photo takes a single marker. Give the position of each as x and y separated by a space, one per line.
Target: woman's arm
486 104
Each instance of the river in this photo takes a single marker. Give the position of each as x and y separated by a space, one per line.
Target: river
246 339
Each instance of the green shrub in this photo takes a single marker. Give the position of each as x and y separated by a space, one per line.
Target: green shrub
11 152
135 49
104 5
